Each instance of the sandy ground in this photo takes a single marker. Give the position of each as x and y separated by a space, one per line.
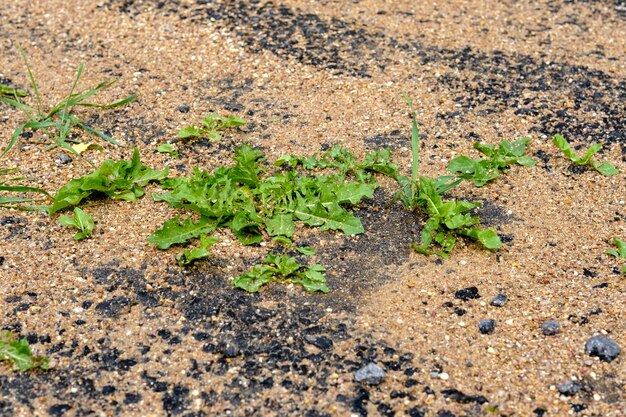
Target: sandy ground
131 334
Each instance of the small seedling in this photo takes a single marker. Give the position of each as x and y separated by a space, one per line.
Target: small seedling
603 168
121 180
499 159
620 252
283 268
212 124
58 122
189 256
10 193
81 221
169 149
19 354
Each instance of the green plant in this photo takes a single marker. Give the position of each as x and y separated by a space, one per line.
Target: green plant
18 352
167 148
189 256
283 268
603 168
212 124
5 90
446 219
620 252
58 122
81 221
8 191
122 180
256 201
483 170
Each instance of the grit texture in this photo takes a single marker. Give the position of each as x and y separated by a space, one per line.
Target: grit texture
130 333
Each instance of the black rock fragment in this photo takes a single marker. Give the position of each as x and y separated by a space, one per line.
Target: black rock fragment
467 294
459 397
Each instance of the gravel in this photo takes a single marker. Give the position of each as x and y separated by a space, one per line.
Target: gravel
370 374
487 326
602 347
467 293
62 158
550 327
569 388
499 300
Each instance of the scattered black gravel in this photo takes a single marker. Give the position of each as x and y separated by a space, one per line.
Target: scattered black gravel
499 300
459 397
370 374
569 388
467 294
602 347
550 327
487 326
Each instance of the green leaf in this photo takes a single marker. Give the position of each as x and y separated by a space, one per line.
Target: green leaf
167 148
281 224
283 268
176 232
5 90
334 218
247 227
605 168
19 354
81 221
189 132
461 165
189 256
305 250
118 180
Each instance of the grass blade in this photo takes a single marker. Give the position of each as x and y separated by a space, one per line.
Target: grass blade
31 77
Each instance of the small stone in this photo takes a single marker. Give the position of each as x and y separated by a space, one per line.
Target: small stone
487 326
550 327
499 300
467 293
63 158
569 388
444 376
183 109
602 347
370 374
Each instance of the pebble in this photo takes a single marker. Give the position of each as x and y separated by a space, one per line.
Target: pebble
370 374
63 158
569 388
467 293
603 347
550 327
487 326
499 300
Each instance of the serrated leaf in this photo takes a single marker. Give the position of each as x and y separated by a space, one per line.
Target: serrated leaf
336 218
176 232
282 268
122 180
